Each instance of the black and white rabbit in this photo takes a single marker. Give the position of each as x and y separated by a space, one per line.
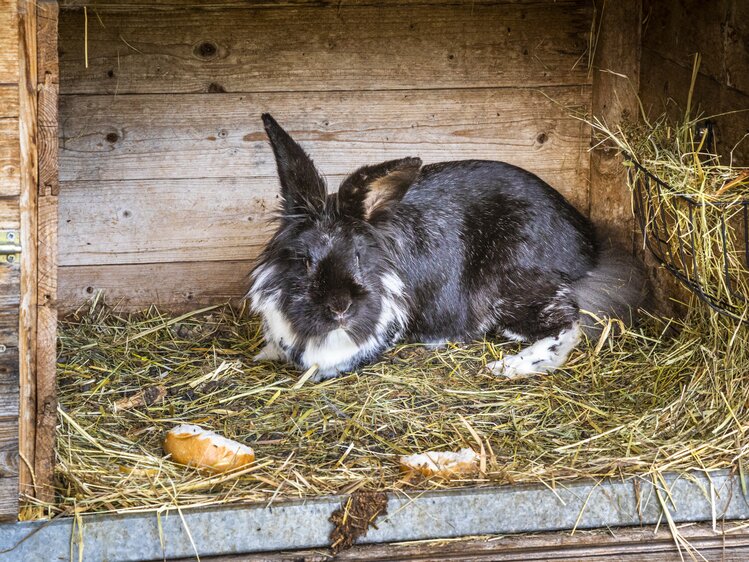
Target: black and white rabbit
447 251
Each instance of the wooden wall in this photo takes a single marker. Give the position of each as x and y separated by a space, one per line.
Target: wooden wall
166 177
10 273
673 31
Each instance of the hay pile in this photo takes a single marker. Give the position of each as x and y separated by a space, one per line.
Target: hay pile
693 204
657 398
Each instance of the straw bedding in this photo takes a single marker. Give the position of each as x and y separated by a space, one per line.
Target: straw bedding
659 397
666 395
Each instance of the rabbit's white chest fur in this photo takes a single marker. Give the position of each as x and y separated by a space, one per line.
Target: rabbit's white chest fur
336 350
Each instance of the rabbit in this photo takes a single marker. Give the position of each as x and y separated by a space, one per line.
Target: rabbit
430 253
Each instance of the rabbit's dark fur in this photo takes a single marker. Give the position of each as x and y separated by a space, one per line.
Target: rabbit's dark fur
447 251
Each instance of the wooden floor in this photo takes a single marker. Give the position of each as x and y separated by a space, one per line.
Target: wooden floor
616 545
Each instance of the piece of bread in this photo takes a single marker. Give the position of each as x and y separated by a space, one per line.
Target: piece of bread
443 464
194 446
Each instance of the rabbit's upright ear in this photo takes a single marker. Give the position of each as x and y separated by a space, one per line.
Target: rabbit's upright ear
302 187
372 189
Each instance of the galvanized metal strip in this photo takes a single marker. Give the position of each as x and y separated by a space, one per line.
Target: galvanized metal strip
450 513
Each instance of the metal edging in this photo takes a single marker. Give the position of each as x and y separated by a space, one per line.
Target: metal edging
290 525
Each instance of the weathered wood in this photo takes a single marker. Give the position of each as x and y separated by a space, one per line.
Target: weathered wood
644 544
47 221
204 135
47 143
9 371
10 215
9 401
8 498
9 328
8 101
617 72
722 86
10 183
147 221
8 42
28 199
10 288
8 448
321 49
174 286
210 5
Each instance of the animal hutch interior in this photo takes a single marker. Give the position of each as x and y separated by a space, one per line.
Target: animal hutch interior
136 177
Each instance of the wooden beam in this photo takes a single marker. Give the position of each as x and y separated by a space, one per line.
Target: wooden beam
616 80
28 204
639 544
174 286
343 48
48 189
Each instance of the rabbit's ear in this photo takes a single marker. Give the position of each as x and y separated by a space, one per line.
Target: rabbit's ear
302 187
372 189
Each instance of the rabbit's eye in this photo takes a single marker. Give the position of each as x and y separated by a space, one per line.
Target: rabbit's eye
308 263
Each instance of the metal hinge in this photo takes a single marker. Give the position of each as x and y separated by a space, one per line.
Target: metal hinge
10 246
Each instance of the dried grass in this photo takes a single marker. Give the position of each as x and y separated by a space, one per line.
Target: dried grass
666 396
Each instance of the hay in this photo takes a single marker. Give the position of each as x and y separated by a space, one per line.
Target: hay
696 212
666 396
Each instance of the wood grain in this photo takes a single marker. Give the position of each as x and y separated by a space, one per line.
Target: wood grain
47 221
204 135
10 214
147 221
10 183
10 286
9 327
8 42
9 498
617 74
212 5
9 401
8 449
322 49
174 286
8 101
641 544
28 199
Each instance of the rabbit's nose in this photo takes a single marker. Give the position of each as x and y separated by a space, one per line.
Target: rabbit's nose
340 306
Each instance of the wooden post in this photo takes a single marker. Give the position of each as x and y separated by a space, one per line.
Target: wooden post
28 206
616 82
46 334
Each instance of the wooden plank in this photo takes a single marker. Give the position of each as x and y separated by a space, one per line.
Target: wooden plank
8 448
645 544
10 183
28 199
8 42
10 286
339 47
147 221
9 401
10 214
210 5
9 328
9 460
615 87
8 101
9 498
9 369
173 286
204 135
47 221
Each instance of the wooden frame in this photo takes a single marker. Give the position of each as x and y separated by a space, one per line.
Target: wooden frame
29 190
